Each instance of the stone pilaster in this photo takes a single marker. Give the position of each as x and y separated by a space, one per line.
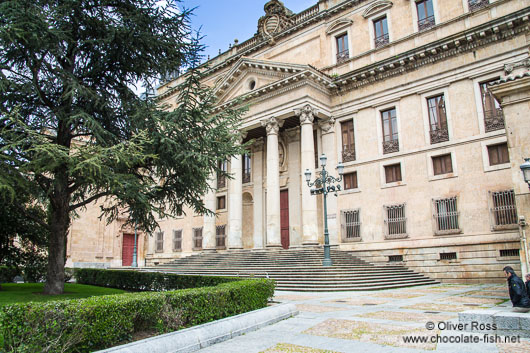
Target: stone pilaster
208 230
272 125
327 128
307 161
257 179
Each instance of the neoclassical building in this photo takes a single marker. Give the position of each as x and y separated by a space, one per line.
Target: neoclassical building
398 91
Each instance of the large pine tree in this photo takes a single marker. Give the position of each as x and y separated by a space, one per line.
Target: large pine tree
74 132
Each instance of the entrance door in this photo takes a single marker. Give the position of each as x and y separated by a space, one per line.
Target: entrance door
127 250
284 218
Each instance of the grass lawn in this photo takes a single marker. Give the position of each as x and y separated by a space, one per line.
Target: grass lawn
32 292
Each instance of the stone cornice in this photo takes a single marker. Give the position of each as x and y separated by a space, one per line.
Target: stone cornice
493 31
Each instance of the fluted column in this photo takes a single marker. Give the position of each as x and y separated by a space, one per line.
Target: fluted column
208 230
327 128
257 179
307 161
235 204
272 125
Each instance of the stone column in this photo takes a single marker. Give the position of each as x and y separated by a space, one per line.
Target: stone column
272 125
235 205
257 180
208 230
307 157
327 128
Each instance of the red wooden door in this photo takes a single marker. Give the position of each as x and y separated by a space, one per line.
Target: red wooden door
127 249
284 218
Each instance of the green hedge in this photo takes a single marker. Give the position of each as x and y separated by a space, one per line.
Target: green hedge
94 323
8 273
145 281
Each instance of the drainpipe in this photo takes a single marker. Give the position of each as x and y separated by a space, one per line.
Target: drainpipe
524 261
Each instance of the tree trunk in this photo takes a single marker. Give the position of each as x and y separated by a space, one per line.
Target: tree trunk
59 224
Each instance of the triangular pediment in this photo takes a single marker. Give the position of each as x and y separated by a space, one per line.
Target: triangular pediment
252 74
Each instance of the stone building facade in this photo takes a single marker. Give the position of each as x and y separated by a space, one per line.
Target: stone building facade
398 91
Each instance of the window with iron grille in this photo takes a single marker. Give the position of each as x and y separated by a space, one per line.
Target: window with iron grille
343 52
498 154
159 242
442 164
221 178
177 240
348 142
493 114
437 119
350 181
246 168
221 202
393 173
425 14
395 222
390 131
381 32
220 237
445 213
447 256
197 238
395 258
503 209
350 225
509 253
477 4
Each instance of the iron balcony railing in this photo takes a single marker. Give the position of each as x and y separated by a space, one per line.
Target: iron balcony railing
426 23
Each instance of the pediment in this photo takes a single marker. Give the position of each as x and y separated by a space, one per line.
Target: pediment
252 74
377 7
338 25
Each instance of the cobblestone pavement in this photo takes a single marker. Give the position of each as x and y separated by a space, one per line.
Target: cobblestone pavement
379 321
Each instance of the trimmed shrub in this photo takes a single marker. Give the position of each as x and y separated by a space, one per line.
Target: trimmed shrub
145 281
8 273
94 323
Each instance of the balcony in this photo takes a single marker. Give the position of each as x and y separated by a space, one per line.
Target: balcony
426 23
439 135
391 146
348 154
246 177
494 120
343 56
475 5
221 181
382 40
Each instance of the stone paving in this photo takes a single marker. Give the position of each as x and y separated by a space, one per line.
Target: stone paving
380 321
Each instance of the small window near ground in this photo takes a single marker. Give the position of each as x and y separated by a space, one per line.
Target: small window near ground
395 258
509 253
447 256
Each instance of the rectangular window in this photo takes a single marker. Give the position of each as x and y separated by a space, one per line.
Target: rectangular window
390 131
221 177
246 168
343 52
498 154
220 237
493 114
197 238
477 4
351 225
447 256
381 32
442 164
177 240
503 210
425 14
446 215
393 173
221 202
509 253
159 242
395 258
395 222
437 119
350 181
348 142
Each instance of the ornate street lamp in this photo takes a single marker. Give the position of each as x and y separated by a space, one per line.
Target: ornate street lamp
134 260
525 168
323 184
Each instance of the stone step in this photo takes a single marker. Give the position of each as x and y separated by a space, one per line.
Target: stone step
355 288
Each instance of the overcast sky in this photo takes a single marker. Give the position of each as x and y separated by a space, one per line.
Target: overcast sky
224 20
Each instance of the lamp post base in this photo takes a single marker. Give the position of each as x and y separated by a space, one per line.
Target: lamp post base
327 257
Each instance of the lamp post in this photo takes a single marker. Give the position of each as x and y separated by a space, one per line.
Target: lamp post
324 184
134 260
525 168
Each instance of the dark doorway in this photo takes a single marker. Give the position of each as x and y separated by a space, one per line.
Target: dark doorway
284 218
127 250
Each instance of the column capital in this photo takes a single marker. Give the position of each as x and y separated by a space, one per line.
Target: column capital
306 114
257 146
272 125
327 125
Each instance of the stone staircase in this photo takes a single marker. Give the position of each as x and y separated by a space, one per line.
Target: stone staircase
298 269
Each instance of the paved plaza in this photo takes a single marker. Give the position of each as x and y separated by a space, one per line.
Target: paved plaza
381 321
